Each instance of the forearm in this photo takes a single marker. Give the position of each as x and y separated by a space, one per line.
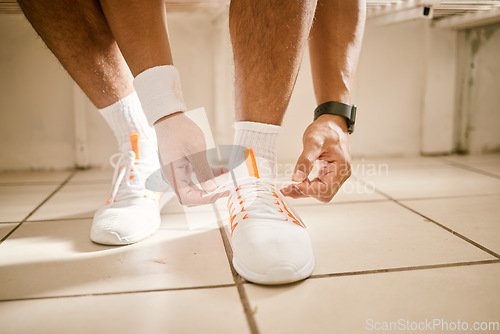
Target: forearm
335 43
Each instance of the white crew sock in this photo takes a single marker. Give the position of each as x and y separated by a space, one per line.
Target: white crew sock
262 138
159 89
126 116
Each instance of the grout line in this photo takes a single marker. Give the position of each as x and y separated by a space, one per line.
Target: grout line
38 183
468 168
446 197
400 269
472 242
461 236
202 287
58 219
38 206
216 286
238 280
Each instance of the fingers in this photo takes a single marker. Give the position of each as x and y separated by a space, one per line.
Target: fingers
292 191
203 170
320 190
332 174
178 175
305 163
192 195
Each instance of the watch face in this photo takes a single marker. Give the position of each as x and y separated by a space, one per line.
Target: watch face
353 114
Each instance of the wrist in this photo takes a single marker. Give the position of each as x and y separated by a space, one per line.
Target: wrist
339 121
348 112
167 117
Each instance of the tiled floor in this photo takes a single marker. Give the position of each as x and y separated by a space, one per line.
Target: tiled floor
406 241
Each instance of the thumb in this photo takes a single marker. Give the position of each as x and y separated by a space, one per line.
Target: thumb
305 163
203 171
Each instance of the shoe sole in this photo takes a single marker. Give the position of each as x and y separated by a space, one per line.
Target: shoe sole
122 241
275 275
128 240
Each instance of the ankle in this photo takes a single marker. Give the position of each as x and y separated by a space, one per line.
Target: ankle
263 139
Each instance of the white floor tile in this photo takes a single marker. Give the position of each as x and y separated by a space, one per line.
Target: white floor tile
489 163
16 202
366 166
486 159
55 177
97 175
420 182
74 201
367 236
6 228
492 169
57 258
215 311
477 218
345 304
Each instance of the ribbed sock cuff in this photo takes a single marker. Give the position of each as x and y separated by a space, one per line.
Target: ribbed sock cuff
261 137
159 89
126 116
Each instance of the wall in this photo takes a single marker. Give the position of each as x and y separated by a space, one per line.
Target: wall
36 126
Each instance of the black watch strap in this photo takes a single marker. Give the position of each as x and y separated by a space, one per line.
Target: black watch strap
338 108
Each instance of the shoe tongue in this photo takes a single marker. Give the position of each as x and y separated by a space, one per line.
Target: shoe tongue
255 166
134 143
144 149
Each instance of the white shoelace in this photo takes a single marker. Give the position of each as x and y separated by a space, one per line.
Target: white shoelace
127 179
259 198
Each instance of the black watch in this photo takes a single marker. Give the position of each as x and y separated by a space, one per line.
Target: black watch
338 108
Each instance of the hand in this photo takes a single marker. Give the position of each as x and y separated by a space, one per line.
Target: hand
325 140
182 150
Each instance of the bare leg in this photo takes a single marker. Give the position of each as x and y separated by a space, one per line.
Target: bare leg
335 42
140 28
78 35
268 40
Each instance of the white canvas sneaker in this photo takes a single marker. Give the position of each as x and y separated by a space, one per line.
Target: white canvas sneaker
269 240
132 212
